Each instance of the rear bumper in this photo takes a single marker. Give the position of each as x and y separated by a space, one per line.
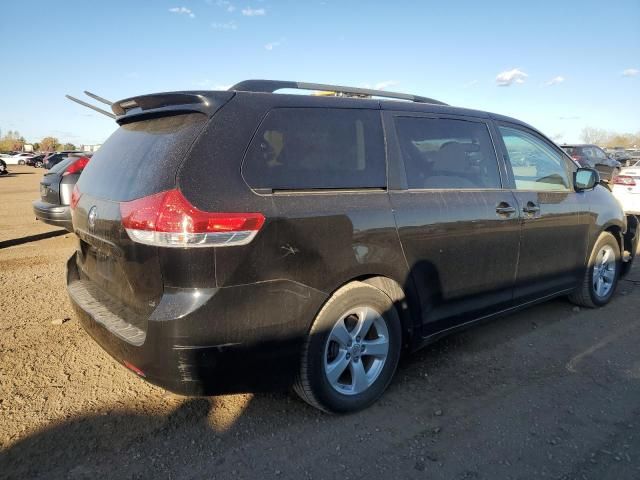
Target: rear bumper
58 215
212 341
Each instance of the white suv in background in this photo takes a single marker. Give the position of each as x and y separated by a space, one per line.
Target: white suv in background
626 188
18 158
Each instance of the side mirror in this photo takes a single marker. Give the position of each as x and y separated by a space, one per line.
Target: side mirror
585 179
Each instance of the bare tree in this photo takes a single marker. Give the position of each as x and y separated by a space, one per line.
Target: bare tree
596 136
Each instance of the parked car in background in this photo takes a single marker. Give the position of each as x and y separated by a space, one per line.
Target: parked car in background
37 160
620 155
57 157
592 156
626 188
634 157
327 235
19 158
56 188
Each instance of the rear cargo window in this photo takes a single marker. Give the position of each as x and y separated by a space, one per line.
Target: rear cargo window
317 148
141 158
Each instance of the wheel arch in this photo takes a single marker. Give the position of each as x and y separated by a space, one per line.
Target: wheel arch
616 231
405 303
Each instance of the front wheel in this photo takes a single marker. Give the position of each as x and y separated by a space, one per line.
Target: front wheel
352 350
602 273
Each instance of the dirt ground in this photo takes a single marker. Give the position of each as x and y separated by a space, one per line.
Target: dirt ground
550 392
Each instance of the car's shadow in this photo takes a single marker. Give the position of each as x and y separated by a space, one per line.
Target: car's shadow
32 238
129 444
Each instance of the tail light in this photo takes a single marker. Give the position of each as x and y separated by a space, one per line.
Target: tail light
77 166
75 197
167 219
625 180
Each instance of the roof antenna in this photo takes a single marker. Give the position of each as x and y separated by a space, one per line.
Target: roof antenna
98 98
92 107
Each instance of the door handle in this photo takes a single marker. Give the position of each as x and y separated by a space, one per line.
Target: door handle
504 208
531 207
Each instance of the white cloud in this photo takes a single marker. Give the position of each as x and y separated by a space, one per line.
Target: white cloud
231 25
555 81
271 45
253 12
470 84
183 11
509 77
385 84
630 72
226 4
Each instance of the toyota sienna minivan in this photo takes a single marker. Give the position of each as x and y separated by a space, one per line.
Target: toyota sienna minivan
243 240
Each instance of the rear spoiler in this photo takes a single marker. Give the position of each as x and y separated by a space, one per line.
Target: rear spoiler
159 104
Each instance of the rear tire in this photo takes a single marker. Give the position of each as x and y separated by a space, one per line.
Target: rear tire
601 275
352 350
20 162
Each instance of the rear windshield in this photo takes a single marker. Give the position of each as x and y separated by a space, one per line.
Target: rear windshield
141 158
62 165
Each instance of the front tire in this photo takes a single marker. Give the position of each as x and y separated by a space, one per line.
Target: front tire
602 273
352 350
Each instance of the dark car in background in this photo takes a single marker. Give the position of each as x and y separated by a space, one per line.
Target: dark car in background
54 158
56 188
37 161
592 156
234 241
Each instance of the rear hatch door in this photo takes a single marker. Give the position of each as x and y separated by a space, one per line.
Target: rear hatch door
140 158
50 184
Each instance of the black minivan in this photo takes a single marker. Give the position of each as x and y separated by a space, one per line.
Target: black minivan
243 240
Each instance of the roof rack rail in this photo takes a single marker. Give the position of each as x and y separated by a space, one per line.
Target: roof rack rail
98 98
270 86
93 107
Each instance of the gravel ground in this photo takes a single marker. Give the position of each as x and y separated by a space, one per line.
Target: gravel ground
550 392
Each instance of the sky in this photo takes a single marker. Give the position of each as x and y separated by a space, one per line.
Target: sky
558 65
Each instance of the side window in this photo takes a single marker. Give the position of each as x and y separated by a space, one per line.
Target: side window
599 154
535 165
446 153
315 148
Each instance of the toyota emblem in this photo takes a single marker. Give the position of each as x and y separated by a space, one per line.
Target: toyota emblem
91 220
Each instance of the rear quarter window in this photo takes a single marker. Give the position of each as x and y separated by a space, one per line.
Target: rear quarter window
317 148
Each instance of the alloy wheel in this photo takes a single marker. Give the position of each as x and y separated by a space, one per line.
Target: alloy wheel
604 271
356 350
